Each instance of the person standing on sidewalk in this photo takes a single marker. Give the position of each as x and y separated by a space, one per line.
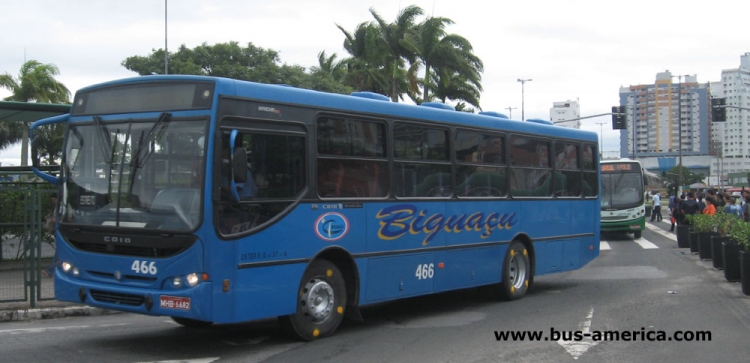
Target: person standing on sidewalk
656 213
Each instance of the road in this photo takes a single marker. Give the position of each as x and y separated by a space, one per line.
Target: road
646 287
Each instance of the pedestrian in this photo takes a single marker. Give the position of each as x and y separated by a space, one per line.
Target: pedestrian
710 208
689 207
746 209
656 213
674 211
733 208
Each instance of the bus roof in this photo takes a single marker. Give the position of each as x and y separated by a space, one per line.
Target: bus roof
366 104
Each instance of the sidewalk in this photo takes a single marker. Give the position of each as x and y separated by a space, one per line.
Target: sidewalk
12 288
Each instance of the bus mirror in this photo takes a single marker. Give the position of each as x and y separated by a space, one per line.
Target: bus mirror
36 143
239 165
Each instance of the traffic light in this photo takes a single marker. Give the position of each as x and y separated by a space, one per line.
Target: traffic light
618 118
718 109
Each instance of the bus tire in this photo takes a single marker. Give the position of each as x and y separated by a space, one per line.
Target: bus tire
321 303
637 234
192 323
516 276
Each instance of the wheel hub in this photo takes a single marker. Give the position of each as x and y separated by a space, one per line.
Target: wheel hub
317 300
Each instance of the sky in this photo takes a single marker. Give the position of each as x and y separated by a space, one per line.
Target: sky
571 50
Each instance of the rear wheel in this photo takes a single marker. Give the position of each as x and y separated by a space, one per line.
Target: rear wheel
321 301
191 323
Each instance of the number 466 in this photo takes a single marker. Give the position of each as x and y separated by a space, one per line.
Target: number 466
144 267
425 271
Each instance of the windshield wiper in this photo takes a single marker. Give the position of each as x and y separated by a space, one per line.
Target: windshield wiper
154 133
144 139
105 142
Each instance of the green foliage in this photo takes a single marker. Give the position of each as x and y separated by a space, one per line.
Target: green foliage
740 234
35 83
702 222
672 177
725 221
230 60
14 199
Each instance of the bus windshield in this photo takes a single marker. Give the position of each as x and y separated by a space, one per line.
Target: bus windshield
134 174
622 190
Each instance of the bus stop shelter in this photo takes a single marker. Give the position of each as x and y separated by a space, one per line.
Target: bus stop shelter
29 111
25 248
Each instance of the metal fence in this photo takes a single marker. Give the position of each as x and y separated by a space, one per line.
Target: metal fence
26 248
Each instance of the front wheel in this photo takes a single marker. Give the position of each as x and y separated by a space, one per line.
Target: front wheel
516 274
637 234
321 301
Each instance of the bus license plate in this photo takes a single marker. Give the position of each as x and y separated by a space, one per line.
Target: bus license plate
174 302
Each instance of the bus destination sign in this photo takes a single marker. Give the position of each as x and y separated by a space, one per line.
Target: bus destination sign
616 167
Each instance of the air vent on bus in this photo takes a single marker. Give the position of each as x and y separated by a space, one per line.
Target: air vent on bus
494 114
439 105
371 95
539 121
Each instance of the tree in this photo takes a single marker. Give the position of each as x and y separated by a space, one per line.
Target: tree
453 85
400 39
230 60
365 69
35 83
672 177
449 55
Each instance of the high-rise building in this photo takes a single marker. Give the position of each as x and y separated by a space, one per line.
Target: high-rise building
667 123
566 114
732 138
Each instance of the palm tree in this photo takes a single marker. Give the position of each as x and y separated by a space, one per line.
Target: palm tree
453 85
400 39
35 83
446 53
330 66
365 67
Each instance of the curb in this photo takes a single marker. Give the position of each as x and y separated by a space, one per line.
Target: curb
52 313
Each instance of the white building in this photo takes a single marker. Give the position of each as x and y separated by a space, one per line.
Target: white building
562 112
732 138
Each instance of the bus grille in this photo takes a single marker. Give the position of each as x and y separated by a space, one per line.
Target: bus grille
125 250
116 298
614 218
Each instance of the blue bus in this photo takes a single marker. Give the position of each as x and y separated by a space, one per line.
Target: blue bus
213 200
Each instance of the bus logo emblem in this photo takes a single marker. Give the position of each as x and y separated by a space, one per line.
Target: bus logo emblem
331 226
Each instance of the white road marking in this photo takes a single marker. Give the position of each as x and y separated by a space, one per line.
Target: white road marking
61 328
196 360
670 235
604 246
645 244
577 348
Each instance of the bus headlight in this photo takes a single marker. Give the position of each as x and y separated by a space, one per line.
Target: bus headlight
177 281
192 279
66 266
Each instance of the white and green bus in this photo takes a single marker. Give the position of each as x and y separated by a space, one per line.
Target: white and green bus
623 196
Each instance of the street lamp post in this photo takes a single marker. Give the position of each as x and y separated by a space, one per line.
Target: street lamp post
166 61
523 81
601 139
510 111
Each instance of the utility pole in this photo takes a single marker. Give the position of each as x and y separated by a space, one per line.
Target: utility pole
510 111
523 81
601 139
